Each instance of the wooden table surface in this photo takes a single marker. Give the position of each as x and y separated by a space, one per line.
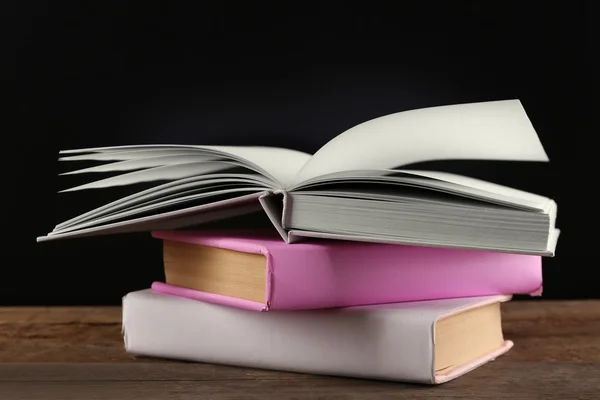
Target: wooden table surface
77 353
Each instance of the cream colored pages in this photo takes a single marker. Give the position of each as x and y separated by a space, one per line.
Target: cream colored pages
495 130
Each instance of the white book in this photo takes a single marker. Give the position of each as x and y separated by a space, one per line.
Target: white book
356 187
429 342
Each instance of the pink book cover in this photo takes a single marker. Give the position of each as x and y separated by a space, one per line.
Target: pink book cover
331 274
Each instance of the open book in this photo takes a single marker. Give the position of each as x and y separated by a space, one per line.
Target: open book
353 188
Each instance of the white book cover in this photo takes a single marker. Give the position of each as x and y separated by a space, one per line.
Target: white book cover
429 342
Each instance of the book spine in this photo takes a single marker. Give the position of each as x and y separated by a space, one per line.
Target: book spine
354 275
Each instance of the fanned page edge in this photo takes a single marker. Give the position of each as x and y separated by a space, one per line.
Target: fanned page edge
278 164
171 220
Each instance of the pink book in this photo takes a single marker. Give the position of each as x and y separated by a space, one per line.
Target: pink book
328 274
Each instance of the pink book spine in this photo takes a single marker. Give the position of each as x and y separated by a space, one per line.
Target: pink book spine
343 274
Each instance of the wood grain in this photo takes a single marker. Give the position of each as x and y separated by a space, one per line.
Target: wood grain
77 352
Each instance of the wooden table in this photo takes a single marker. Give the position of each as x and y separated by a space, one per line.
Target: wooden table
77 353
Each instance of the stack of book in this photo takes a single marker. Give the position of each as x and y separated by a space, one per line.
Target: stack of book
371 269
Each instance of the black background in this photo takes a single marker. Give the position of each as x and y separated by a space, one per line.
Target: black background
252 73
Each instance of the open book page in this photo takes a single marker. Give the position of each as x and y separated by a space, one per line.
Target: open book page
147 162
181 201
437 181
166 191
538 201
278 164
496 130
175 219
130 155
167 172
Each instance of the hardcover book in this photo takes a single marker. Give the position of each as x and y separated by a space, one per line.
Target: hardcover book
427 342
262 273
359 187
